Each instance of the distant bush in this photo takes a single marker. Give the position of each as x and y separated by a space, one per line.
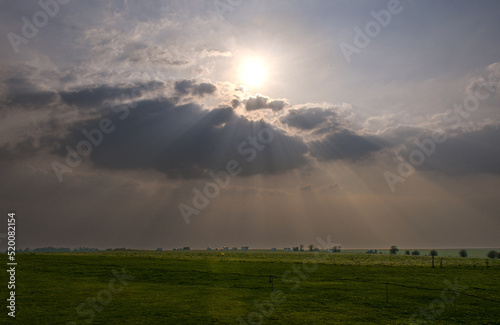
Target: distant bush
433 252
394 250
462 253
407 252
415 253
493 254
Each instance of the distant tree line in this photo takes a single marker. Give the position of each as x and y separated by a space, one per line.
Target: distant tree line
50 249
433 252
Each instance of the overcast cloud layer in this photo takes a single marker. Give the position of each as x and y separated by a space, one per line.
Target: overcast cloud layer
114 115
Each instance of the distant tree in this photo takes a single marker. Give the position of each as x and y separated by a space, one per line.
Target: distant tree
407 252
295 249
462 253
311 247
433 252
301 247
415 253
492 254
394 250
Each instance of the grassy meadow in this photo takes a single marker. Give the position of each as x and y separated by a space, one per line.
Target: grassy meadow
199 287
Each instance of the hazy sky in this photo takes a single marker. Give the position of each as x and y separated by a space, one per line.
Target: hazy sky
375 122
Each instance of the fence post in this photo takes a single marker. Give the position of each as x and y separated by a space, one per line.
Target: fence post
432 261
387 292
441 266
271 281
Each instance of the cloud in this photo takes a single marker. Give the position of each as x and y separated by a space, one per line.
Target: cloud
185 87
187 141
263 102
20 92
142 53
309 118
331 135
31 100
475 151
215 53
94 96
343 145
491 79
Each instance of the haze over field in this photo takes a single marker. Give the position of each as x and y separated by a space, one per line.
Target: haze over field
377 123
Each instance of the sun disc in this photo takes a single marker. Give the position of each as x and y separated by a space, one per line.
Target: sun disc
253 73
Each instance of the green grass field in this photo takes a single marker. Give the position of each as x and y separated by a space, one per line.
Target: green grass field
198 287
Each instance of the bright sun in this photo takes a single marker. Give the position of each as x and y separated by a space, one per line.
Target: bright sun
253 73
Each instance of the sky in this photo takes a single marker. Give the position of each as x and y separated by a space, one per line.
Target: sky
146 124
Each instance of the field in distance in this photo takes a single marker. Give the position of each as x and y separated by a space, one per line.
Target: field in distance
254 287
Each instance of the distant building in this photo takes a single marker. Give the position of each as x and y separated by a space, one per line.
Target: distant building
209 249
225 248
186 248
244 248
273 249
372 251
234 248
287 249
159 249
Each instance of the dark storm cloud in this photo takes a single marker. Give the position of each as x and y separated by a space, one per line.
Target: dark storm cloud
261 102
308 118
467 152
343 145
34 100
235 103
23 149
336 138
187 141
185 87
19 85
203 89
22 93
94 96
